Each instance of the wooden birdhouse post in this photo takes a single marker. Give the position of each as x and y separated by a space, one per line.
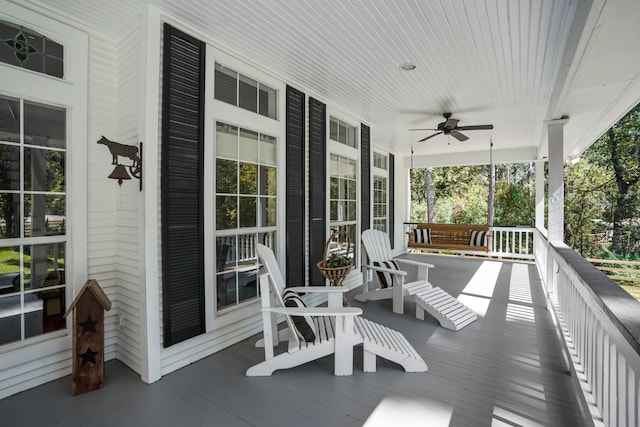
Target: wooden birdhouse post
88 337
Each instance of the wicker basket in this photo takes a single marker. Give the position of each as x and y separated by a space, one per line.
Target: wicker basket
335 275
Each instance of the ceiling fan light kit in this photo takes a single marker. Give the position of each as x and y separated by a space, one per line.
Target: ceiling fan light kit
450 127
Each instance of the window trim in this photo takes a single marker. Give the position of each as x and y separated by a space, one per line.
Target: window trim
70 93
220 111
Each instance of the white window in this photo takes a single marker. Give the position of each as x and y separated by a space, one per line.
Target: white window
242 206
380 199
245 208
42 175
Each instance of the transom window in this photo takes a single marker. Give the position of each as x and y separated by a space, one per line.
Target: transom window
342 132
380 203
245 208
30 50
379 161
32 219
244 92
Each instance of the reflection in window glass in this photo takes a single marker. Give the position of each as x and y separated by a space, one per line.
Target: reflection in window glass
244 92
248 93
44 170
225 85
44 125
226 176
248 212
226 141
10 119
237 267
342 132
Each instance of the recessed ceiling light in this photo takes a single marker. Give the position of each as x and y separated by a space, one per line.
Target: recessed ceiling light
408 66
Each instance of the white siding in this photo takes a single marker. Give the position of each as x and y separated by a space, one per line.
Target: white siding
128 198
101 191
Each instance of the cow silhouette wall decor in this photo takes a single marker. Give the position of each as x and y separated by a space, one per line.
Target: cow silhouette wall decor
130 152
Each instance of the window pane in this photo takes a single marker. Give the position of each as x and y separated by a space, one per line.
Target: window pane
268 207
9 167
333 129
248 146
268 102
43 265
225 85
44 215
43 312
9 272
248 211
333 210
9 215
248 178
226 176
334 186
44 126
10 320
44 170
248 94
226 212
351 207
352 190
10 119
334 165
226 141
267 150
267 181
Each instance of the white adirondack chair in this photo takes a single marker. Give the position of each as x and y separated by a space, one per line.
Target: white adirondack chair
447 310
338 328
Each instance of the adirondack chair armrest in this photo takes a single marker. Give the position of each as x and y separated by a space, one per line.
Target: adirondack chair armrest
387 270
423 267
414 262
315 311
317 289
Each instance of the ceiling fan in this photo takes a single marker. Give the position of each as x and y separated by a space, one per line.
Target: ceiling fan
450 127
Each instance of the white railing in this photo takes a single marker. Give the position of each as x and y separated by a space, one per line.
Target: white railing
600 324
512 242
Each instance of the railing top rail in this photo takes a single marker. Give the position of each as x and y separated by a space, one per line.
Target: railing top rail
621 308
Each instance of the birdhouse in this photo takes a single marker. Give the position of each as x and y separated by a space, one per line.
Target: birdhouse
88 337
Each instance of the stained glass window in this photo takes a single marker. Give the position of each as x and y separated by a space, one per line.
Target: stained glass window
28 49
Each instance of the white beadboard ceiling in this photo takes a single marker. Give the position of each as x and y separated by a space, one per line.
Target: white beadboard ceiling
513 64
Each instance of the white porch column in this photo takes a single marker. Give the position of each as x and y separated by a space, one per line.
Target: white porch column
555 221
540 225
556 182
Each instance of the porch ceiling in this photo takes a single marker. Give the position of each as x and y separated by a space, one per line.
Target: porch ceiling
512 64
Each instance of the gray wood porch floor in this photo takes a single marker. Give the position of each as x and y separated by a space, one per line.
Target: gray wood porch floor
504 369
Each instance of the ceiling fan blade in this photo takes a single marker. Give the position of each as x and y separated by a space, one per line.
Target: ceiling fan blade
475 127
457 135
423 129
430 136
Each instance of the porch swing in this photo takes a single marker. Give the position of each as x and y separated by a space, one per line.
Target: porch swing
458 238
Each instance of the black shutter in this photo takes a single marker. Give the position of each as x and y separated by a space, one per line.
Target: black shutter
295 121
317 180
181 186
391 191
365 177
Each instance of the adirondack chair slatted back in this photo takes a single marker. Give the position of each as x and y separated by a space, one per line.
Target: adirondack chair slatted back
276 283
376 244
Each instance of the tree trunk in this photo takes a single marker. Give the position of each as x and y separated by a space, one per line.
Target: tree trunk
429 195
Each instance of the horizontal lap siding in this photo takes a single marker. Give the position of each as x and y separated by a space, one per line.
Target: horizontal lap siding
128 196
